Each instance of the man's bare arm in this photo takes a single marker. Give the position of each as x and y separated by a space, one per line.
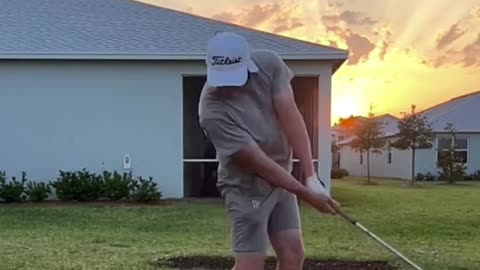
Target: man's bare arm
253 159
294 127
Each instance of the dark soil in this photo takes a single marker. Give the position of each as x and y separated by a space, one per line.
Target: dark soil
223 263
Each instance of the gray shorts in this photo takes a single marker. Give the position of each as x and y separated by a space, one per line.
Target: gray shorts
254 218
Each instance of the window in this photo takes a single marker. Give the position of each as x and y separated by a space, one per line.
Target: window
361 158
389 153
461 156
461 143
460 146
444 143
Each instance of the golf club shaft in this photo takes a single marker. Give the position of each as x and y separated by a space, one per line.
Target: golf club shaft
366 231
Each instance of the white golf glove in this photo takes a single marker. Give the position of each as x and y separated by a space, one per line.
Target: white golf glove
314 184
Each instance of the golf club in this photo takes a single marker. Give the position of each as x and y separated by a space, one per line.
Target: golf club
372 235
320 187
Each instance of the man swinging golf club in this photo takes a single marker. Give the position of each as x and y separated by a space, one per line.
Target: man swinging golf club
248 111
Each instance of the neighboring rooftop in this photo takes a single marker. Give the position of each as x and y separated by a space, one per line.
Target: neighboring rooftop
461 111
389 127
101 28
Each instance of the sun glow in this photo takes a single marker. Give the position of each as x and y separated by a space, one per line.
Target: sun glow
395 47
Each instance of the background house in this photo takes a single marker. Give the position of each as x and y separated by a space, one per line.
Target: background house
83 83
394 163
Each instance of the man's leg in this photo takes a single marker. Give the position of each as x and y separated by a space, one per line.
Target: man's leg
286 235
249 218
249 261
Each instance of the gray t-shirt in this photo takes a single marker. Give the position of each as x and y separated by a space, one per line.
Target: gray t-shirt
247 116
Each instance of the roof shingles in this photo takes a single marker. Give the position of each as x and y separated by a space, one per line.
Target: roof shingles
123 27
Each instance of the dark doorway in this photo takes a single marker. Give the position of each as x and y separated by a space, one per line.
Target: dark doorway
200 165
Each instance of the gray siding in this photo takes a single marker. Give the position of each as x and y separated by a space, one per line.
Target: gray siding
379 166
69 116
425 161
473 153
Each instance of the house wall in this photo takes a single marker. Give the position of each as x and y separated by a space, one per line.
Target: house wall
400 167
350 160
379 167
425 161
63 115
70 115
473 153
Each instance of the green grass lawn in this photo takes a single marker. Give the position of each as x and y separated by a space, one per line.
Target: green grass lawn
437 226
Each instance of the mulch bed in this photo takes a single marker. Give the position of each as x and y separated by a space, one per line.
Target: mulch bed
224 263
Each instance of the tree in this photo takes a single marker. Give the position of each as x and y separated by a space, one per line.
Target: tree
415 132
350 124
451 167
335 155
369 138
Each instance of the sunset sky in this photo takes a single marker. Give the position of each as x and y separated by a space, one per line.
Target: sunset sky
401 52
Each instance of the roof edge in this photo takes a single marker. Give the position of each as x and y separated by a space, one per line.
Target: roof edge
387 115
166 56
445 102
318 45
349 140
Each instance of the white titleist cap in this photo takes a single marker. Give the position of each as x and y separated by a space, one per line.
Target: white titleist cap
228 60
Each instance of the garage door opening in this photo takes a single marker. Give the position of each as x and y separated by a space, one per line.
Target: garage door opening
200 164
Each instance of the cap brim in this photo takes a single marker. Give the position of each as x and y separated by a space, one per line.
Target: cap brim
252 67
236 77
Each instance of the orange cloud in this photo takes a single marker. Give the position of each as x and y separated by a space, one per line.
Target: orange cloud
393 63
354 17
337 4
360 44
450 36
466 47
476 12
383 50
279 17
349 17
468 56
471 53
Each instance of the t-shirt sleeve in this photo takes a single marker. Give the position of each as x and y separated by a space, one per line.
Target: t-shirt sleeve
227 137
282 75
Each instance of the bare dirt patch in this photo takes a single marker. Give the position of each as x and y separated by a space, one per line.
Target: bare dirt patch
225 263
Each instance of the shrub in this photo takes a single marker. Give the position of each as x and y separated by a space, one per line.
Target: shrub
451 168
419 177
459 171
345 172
78 186
339 173
476 175
145 190
472 177
37 191
117 186
12 191
3 178
429 176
